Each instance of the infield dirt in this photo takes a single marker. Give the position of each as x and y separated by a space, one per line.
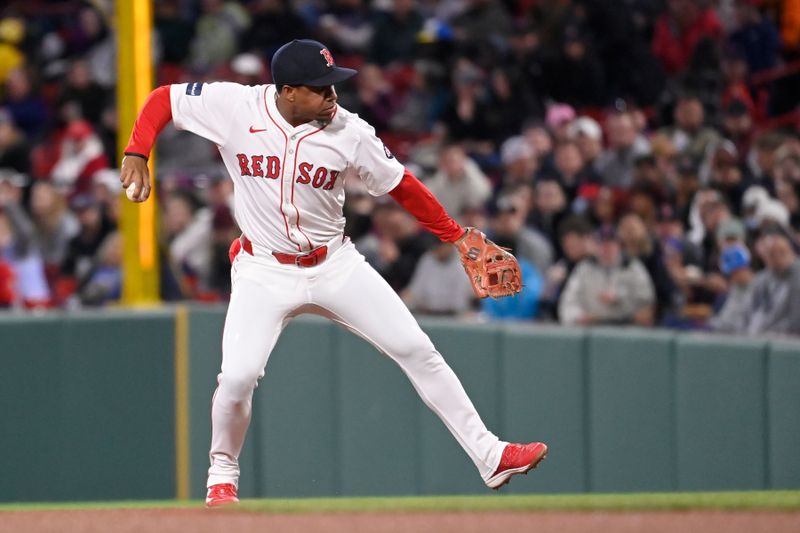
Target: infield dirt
205 521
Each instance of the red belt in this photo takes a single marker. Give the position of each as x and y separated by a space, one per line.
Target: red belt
309 259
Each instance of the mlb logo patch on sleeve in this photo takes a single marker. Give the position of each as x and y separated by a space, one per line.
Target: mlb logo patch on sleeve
194 89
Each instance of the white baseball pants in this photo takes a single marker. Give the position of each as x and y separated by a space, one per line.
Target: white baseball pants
267 294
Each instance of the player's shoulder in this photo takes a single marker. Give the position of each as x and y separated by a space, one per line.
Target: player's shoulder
217 89
350 121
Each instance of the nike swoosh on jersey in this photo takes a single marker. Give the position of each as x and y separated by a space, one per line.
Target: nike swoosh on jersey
254 130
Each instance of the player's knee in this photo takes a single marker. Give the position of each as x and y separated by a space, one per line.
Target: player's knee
238 384
419 349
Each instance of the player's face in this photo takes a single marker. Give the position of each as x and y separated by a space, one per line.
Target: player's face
316 103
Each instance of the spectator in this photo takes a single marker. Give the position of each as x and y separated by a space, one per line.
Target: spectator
726 176
14 149
104 282
608 289
519 162
678 32
605 205
586 133
787 164
357 210
637 243
273 23
534 256
21 266
175 31
689 134
558 119
571 169
397 246
761 159
187 226
540 138
217 33
550 207
737 125
82 156
624 146
508 227
88 96
687 184
417 109
525 66
27 109
576 75
376 100
789 196
459 182
7 281
346 26
248 69
395 34
574 235
755 36
224 231
55 225
482 23
82 248
732 315
438 286
735 87
466 118
775 303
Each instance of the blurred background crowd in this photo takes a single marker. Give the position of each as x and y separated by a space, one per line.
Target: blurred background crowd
641 158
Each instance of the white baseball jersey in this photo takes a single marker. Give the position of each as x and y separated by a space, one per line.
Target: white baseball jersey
288 181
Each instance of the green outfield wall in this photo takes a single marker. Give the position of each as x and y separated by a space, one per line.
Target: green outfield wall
92 409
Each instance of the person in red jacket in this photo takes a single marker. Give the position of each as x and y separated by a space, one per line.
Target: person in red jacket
678 32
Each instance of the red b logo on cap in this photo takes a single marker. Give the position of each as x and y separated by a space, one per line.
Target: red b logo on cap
328 57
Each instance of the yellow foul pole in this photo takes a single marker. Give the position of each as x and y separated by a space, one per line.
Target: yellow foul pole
134 83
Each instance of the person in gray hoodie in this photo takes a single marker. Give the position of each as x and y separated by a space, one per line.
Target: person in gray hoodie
608 289
775 301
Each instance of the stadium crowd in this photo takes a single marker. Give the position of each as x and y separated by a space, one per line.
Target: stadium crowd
641 158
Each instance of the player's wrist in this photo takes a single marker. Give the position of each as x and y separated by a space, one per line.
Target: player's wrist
464 233
135 154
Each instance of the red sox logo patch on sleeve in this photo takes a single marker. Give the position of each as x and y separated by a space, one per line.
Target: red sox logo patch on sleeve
328 57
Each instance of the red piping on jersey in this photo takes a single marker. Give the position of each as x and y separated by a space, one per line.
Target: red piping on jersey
294 172
415 198
155 113
283 163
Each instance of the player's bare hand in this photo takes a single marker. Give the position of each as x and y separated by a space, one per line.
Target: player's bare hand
134 170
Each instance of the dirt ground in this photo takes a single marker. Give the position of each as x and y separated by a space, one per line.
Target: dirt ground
204 521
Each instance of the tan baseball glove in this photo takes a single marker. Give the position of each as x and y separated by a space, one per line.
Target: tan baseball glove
492 270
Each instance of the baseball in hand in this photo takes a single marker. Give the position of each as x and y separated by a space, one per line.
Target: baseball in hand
130 190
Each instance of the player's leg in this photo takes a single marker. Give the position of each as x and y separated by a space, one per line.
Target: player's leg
257 313
385 321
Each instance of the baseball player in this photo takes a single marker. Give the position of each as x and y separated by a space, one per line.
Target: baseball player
289 148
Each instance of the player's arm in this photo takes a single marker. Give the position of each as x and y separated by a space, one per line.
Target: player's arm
154 115
415 198
492 271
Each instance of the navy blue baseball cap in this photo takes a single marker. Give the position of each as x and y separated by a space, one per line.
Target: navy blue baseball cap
306 62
